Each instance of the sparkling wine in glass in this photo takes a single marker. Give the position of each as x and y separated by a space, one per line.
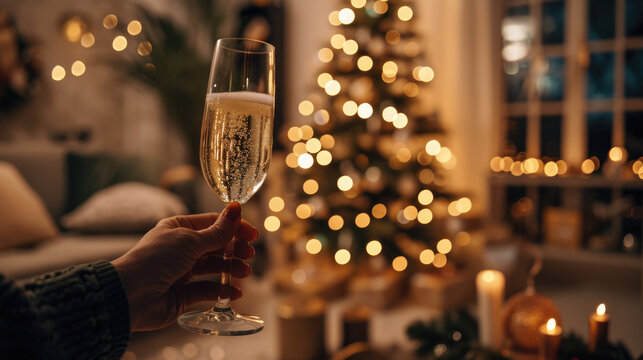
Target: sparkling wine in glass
235 150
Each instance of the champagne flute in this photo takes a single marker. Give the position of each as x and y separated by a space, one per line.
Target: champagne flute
235 150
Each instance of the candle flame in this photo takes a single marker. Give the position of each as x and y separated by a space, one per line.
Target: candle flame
600 309
551 324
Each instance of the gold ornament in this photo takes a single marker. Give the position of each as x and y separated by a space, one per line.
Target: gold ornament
523 314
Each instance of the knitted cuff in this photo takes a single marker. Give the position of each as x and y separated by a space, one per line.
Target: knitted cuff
116 301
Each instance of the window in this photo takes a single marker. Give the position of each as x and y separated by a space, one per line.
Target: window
573 78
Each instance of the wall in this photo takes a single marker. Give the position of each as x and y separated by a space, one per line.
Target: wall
457 36
130 119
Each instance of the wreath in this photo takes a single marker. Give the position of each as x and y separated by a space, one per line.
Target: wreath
19 65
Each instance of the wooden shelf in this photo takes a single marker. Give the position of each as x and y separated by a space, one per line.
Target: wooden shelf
564 181
626 262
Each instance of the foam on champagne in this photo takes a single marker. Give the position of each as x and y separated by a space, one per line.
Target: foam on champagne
244 96
236 143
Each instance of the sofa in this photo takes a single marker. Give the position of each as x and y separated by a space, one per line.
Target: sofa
53 173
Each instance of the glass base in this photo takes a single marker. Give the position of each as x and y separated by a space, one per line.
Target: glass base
220 322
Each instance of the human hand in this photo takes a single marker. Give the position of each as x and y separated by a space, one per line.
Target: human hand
157 272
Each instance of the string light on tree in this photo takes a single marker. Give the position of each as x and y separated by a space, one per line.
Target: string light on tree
366 118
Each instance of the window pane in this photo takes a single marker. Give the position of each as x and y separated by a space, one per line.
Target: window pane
518 209
632 221
634 134
599 135
516 135
634 73
600 20
516 74
596 226
550 135
600 76
548 197
551 81
518 10
553 20
634 18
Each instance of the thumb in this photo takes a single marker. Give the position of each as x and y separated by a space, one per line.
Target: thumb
217 235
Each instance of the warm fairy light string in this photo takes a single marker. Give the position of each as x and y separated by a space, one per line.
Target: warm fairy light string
550 168
310 149
75 31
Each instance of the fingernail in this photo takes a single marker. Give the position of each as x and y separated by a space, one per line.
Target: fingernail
233 211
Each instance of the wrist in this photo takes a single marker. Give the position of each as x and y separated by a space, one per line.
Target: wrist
127 281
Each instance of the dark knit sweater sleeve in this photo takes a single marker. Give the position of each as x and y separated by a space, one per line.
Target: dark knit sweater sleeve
77 313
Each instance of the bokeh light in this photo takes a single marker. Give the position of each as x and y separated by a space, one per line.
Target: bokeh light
337 41
313 246
294 134
444 246
333 18
350 47
310 186
306 107
110 21
58 73
87 40
425 197
380 7
325 55
324 157
365 110
332 87
362 220
364 63
404 13
272 223
345 183
119 43
313 145
440 260
144 48
342 256
373 248
400 121
134 27
400 263
276 204
378 211
335 222
425 216
389 113
78 68
304 211
588 166
346 16
305 161
307 132
426 256
432 147
349 108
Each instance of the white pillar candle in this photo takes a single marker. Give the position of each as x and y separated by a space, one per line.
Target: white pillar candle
491 292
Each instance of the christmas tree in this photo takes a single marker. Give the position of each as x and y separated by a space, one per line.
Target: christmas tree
371 170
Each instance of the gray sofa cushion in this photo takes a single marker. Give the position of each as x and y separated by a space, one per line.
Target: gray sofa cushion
61 252
44 168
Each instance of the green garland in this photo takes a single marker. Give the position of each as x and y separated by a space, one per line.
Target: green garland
454 336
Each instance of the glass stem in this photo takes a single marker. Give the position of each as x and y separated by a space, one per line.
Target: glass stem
223 301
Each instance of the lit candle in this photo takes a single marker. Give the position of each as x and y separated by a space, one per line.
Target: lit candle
490 285
550 335
598 324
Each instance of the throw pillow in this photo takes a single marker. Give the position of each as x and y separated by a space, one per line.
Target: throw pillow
129 207
24 218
